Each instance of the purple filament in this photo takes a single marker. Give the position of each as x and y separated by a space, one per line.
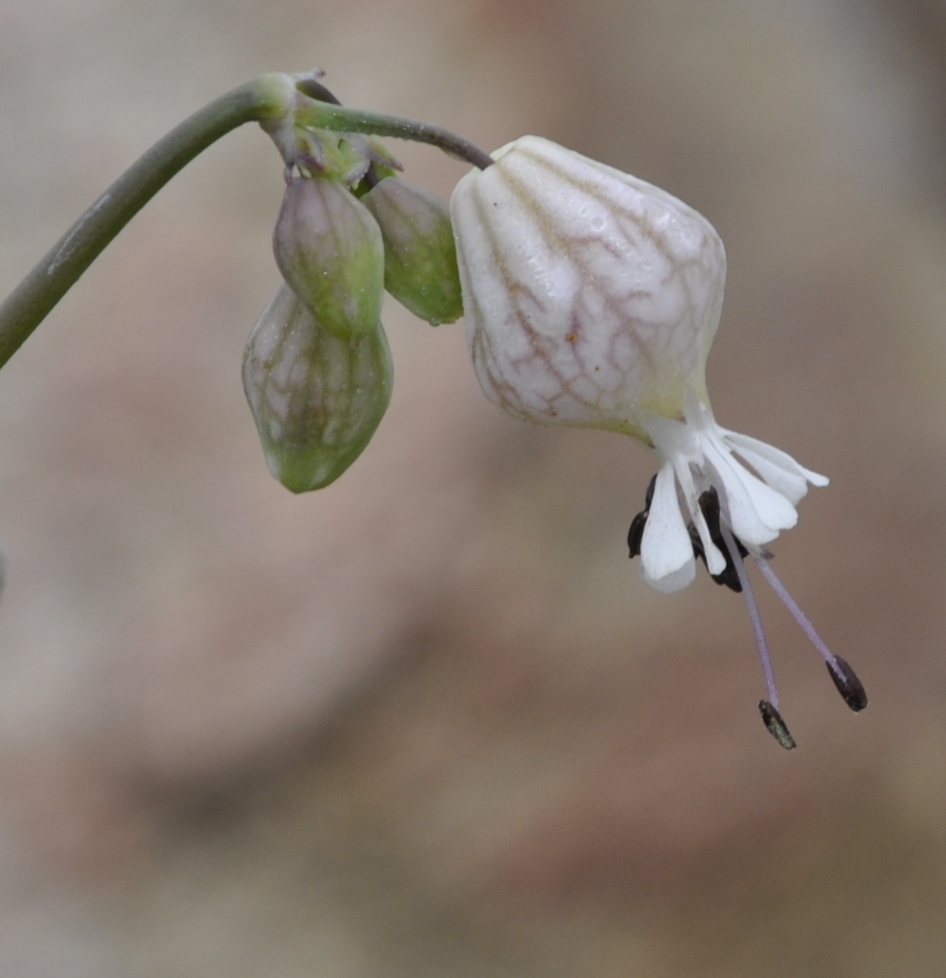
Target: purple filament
754 616
806 626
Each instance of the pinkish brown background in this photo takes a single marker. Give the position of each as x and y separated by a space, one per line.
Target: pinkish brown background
429 721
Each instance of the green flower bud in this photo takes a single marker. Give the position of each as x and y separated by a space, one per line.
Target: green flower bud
420 256
316 399
330 252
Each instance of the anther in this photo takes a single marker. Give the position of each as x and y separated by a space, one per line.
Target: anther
843 676
635 534
709 504
776 725
848 685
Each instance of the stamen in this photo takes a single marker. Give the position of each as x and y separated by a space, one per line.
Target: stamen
756 619
845 679
776 725
635 534
713 552
848 685
709 506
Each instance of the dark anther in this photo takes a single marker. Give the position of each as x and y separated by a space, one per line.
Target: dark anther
636 533
848 685
709 504
776 725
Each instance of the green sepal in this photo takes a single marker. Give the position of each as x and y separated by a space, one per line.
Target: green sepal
316 399
420 255
330 252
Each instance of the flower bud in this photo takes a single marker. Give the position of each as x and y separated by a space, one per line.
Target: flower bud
330 252
316 399
420 256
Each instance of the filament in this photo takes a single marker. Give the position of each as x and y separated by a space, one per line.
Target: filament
755 617
806 626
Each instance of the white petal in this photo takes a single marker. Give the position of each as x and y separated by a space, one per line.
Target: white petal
756 512
715 561
667 562
792 485
784 461
676 581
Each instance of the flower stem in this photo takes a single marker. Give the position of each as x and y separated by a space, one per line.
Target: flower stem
278 102
262 99
339 118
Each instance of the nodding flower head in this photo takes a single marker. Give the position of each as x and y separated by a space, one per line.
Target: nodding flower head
591 300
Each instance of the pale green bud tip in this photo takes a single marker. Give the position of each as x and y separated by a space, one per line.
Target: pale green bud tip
316 399
331 254
420 255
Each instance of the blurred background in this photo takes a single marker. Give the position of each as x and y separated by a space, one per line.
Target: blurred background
429 721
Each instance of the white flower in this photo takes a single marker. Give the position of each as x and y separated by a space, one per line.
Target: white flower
592 299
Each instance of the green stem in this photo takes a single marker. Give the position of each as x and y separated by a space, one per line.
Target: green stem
338 118
278 102
260 100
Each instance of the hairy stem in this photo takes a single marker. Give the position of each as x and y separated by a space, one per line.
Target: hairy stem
338 118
